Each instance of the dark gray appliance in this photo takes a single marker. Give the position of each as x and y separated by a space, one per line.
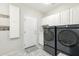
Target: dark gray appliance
49 39
68 39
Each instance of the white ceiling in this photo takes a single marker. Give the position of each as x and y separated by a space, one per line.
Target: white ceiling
41 7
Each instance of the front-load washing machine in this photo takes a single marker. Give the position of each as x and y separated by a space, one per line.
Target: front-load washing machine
68 39
49 40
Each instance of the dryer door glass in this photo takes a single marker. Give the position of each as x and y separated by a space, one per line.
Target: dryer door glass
67 38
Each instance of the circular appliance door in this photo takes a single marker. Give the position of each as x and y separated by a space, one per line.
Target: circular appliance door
67 38
49 36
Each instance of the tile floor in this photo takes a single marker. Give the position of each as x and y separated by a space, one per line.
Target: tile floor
33 51
36 51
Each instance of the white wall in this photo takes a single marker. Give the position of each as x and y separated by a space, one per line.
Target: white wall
4 9
9 46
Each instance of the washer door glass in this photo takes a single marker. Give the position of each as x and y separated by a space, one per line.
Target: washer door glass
48 35
67 38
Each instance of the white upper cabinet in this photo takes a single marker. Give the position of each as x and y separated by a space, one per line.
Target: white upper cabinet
74 15
14 21
55 19
69 16
52 20
65 17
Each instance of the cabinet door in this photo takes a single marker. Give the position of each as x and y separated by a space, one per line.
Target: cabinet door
74 15
14 21
30 31
65 17
52 20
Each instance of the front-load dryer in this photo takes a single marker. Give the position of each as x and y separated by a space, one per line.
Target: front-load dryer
68 39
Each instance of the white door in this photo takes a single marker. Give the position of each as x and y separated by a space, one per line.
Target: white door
65 17
30 32
74 15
